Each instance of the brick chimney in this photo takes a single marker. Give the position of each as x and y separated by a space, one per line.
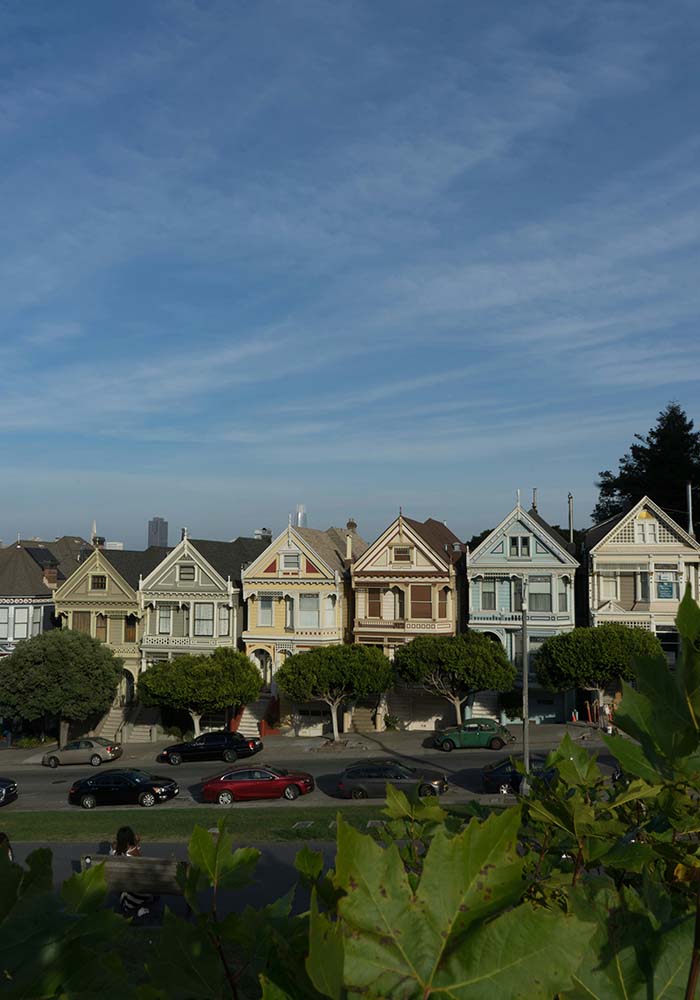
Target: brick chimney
51 575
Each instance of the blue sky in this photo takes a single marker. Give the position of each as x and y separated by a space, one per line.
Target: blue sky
355 255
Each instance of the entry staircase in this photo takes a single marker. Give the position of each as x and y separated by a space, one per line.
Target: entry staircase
253 715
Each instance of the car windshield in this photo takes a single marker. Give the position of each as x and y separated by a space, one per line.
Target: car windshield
406 772
141 776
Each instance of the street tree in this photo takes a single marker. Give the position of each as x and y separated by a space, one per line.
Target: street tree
198 684
335 674
455 667
61 673
594 658
658 464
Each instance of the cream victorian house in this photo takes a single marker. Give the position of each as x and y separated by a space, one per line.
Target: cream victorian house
638 564
297 594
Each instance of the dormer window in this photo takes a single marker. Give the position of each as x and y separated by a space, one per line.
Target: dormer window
291 561
519 546
186 572
401 554
98 582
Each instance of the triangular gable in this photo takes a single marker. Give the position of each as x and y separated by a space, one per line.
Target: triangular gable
398 530
288 541
622 532
95 564
184 551
495 542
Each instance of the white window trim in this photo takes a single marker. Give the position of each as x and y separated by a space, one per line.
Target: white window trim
291 555
201 622
266 603
24 625
165 614
495 594
519 539
224 621
314 616
4 623
180 567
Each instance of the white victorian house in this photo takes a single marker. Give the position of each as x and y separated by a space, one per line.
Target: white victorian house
523 554
639 563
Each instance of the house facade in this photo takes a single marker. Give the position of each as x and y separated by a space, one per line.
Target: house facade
638 565
30 573
101 599
523 556
191 602
298 594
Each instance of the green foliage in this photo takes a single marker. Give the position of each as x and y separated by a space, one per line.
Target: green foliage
199 684
586 888
60 673
334 674
658 466
455 667
593 658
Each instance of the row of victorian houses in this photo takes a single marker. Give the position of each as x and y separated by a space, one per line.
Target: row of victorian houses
307 588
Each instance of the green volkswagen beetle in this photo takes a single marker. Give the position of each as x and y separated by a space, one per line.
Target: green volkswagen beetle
475 733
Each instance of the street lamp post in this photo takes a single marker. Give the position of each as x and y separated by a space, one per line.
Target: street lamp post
526 691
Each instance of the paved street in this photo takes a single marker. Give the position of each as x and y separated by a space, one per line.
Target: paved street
44 789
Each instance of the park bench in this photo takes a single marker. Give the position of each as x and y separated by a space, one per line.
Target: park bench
142 875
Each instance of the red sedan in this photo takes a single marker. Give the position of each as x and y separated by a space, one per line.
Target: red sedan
261 782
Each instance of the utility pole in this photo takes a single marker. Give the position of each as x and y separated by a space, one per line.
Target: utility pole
526 690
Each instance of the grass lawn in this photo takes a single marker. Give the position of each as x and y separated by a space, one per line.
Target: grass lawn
246 825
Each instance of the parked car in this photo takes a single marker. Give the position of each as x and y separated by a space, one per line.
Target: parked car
116 788
94 750
503 776
212 746
475 733
259 782
369 778
8 790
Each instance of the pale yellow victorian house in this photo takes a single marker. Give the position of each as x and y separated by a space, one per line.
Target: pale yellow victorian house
297 594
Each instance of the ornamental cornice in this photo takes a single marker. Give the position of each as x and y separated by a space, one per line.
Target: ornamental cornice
63 607
24 601
173 596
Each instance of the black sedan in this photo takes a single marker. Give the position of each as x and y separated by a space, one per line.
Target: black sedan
503 776
118 788
370 778
8 790
212 746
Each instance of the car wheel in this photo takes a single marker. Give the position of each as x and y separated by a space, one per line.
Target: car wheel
230 755
359 793
425 790
225 799
496 743
95 760
447 746
53 762
147 799
291 792
88 802
175 759
504 788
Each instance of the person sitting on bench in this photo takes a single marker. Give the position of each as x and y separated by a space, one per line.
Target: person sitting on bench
129 843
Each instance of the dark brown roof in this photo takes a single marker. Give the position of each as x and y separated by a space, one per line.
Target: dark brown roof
66 550
435 534
133 563
552 532
228 558
330 545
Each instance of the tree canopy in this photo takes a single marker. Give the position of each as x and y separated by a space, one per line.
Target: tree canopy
199 684
334 674
60 673
455 667
592 658
658 465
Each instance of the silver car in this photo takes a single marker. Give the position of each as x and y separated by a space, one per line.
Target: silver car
93 750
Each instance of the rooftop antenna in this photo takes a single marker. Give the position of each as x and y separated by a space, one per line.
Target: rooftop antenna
691 530
517 494
534 499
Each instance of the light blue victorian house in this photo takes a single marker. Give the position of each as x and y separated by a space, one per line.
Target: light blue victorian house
524 554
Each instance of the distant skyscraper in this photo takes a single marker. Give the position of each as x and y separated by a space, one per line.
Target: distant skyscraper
158 532
300 519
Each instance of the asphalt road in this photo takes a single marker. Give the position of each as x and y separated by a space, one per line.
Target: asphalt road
43 788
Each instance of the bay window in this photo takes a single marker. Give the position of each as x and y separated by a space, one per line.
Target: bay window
204 619
374 602
666 585
421 601
4 623
308 611
21 629
165 615
540 593
224 620
563 591
265 611
488 595
36 621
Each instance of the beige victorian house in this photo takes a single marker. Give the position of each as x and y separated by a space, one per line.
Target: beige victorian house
638 565
297 594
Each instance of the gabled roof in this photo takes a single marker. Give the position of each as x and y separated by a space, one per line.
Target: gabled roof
435 534
134 563
330 545
552 532
66 550
20 574
227 558
601 531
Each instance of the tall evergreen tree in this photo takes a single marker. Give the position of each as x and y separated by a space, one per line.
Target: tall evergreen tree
657 465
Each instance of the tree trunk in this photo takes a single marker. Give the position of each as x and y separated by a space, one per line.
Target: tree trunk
334 718
457 702
63 729
196 716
